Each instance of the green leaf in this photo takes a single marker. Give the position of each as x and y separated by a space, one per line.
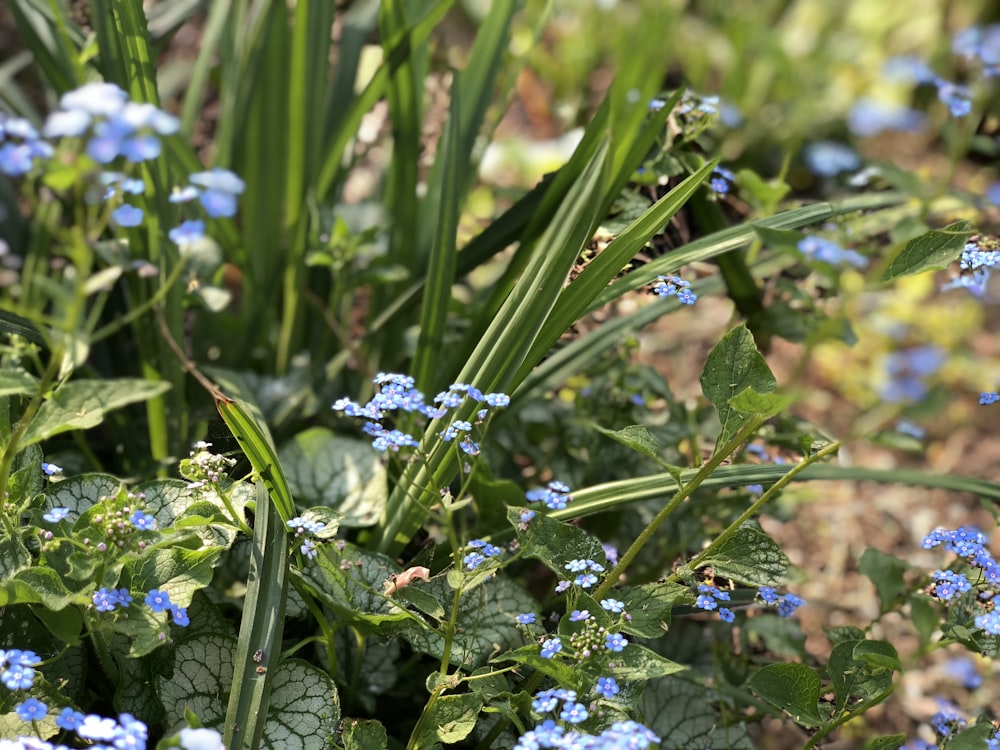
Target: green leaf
81 404
889 742
364 734
683 713
768 405
345 474
733 366
17 383
639 664
860 671
634 436
886 572
79 493
649 606
933 250
176 570
350 582
261 626
255 440
14 556
794 688
450 719
750 557
304 707
485 622
555 543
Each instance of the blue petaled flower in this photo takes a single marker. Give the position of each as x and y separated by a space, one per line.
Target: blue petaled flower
551 647
585 580
615 642
829 158
142 521
32 709
613 605
526 618
574 713
50 470
667 286
127 215
188 232
69 719
179 616
18 676
607 687
788 604
721 180
828 251
105 600
948 584
989 397
56 514
726 614
158 600
308 549
555 495
964 671
578 615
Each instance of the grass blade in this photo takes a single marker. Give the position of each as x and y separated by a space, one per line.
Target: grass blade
261 627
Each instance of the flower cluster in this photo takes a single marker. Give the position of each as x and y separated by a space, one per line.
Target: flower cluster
202 467
554 496
969 543
586 577
621 734
908 371
829 158
109 600
786 603
17 672
127 732
303 526
668 286
978 257
708 599
110 129
399 393
481 551
827 251
721 180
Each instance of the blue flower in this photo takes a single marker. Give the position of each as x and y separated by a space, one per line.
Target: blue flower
615 642
870 117
127 215
989 397
179 615
608 687
56 514
551 647
18 676
308 549
574 713
187 232
726 614
585 580
829 158
50 470
667 286
577 615
142 521
158 600
526 618
613 605
105 600
221 180
788 604
69 719
964 670
32 710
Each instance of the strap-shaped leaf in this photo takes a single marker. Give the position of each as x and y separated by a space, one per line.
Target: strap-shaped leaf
255 440
262 624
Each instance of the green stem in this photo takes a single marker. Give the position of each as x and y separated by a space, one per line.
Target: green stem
679 497
754 508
